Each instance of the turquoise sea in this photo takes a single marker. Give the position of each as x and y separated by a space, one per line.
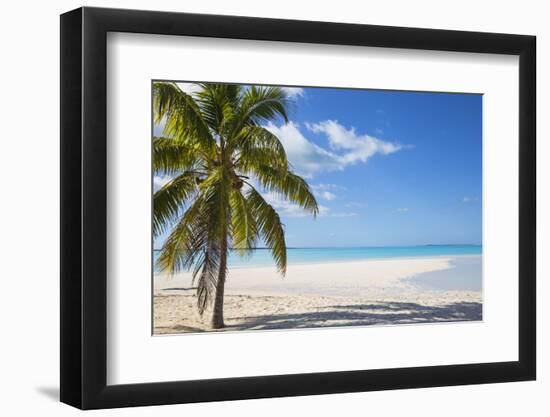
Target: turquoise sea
262 257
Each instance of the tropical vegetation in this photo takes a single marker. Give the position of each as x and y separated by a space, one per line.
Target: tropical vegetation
220 160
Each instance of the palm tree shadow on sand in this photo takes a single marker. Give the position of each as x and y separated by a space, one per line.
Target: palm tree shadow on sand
384 313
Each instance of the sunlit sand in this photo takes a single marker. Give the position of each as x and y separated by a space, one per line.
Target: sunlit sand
359 293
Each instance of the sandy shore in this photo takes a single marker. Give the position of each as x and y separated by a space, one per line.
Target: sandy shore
318 295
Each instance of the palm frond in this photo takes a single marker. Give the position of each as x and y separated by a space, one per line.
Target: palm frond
186 242
207 269
172 156
258 137
253 160
168 201
218 103
259 105
270 226
182 115
262 104
243 224
288 185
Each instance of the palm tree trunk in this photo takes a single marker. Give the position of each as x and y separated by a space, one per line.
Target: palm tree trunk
217 314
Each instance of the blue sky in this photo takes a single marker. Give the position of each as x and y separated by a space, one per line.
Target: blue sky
388 168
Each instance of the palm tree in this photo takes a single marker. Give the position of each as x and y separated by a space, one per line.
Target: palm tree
215 148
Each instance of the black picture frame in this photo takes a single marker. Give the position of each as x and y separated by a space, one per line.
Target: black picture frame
84 207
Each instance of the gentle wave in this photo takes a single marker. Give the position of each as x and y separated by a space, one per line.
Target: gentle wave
262 257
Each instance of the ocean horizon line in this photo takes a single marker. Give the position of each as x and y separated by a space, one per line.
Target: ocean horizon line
359 247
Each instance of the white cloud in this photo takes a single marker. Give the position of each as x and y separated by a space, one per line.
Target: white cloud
353 204
357 148
323 186
294 93
159 182
288 208
323 211
189 88
327 195
321 191
343 214
158 129
279 203
467 199
346 147
402 209
306 157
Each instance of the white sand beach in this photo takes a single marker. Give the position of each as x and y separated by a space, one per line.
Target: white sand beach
369 292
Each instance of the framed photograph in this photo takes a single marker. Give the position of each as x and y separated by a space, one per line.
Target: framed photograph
259 208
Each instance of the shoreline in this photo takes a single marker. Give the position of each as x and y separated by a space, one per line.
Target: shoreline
352 293
346 261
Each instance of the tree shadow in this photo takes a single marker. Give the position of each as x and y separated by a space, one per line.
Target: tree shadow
178 328
364 315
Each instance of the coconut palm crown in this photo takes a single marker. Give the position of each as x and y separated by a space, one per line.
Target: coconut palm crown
215 149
